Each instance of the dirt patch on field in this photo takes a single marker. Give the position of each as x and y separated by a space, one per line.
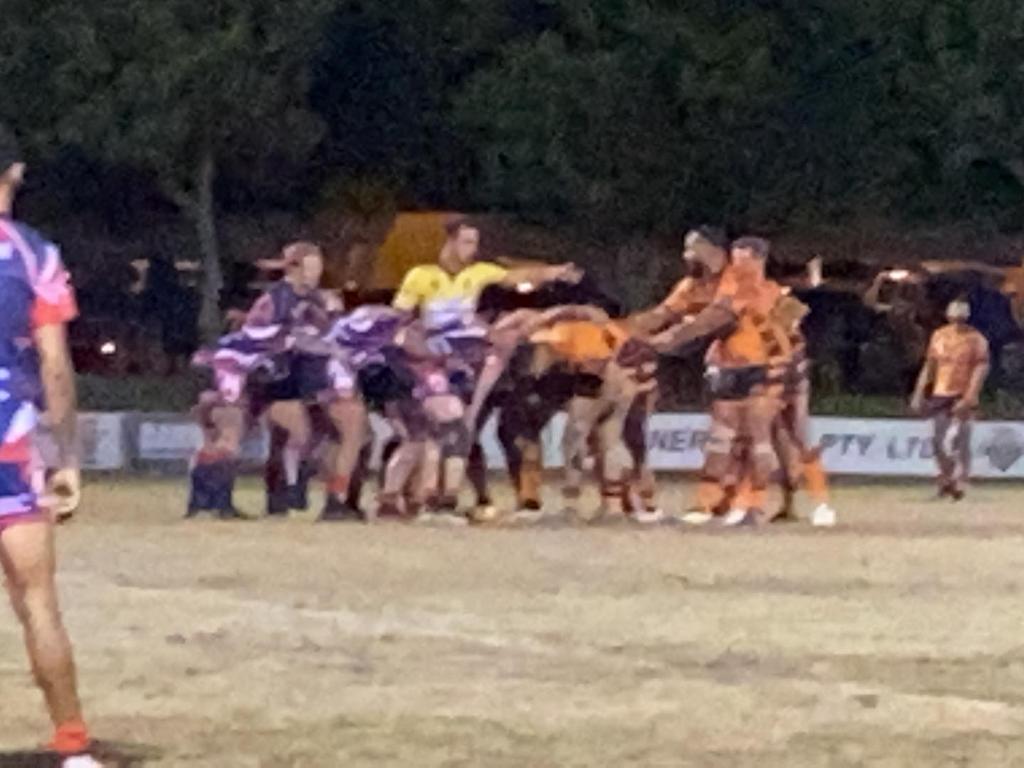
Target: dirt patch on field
892 641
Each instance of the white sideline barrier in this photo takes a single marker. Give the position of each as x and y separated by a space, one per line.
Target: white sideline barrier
866 447
101 440
874 447
175 439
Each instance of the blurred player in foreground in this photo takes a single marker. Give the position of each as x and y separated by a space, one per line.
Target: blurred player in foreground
35 367
948 389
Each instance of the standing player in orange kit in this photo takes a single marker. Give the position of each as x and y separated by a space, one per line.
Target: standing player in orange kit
948 389
742 372
799 459
706 258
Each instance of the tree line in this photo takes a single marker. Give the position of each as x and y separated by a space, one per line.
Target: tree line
610 116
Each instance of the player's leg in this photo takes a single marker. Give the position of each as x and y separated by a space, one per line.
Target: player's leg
27 554
520 423
359 476
391 446
582 415
618 394
451 435
642 491
814 475
788 454
215 467
476 472
398 472
350 420
799 464
411 428
476 467
275 486
962 457
425 484
520 441
717 476
509 428
292 416
202 494
757 414
230 424
943 423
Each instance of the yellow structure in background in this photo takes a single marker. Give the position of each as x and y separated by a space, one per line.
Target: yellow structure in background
414 239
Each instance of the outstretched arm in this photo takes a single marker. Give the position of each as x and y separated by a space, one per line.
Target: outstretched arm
540 274
652 321
658 318
714 322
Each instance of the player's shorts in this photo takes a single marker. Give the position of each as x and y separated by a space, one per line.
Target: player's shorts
20 470
939 405
381 383
10 521
413 417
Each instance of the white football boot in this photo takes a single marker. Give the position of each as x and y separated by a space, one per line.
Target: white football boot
824 516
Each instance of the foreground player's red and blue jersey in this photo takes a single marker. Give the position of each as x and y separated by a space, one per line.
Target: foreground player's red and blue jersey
34 291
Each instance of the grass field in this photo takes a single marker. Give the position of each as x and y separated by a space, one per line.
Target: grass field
896 639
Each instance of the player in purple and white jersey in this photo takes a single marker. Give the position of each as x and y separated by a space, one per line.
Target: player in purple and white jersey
36 369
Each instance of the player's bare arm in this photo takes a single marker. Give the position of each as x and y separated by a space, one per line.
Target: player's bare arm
924 380
715 321
58 380
979 374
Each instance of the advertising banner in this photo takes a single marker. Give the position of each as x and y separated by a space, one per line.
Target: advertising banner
870 447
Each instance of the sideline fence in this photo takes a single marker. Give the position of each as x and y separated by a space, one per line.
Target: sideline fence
865 447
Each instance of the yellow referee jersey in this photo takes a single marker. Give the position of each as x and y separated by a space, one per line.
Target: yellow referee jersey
435 292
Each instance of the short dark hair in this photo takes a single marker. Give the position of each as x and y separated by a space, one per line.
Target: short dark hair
454 224
758 245
714 235
10 153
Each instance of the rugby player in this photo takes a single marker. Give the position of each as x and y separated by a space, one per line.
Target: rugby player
35 368
948 389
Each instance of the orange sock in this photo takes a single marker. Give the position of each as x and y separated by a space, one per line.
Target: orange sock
71 738
530 480
338 485
649 499
816 480
744 496
709 495
614 490
755 498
